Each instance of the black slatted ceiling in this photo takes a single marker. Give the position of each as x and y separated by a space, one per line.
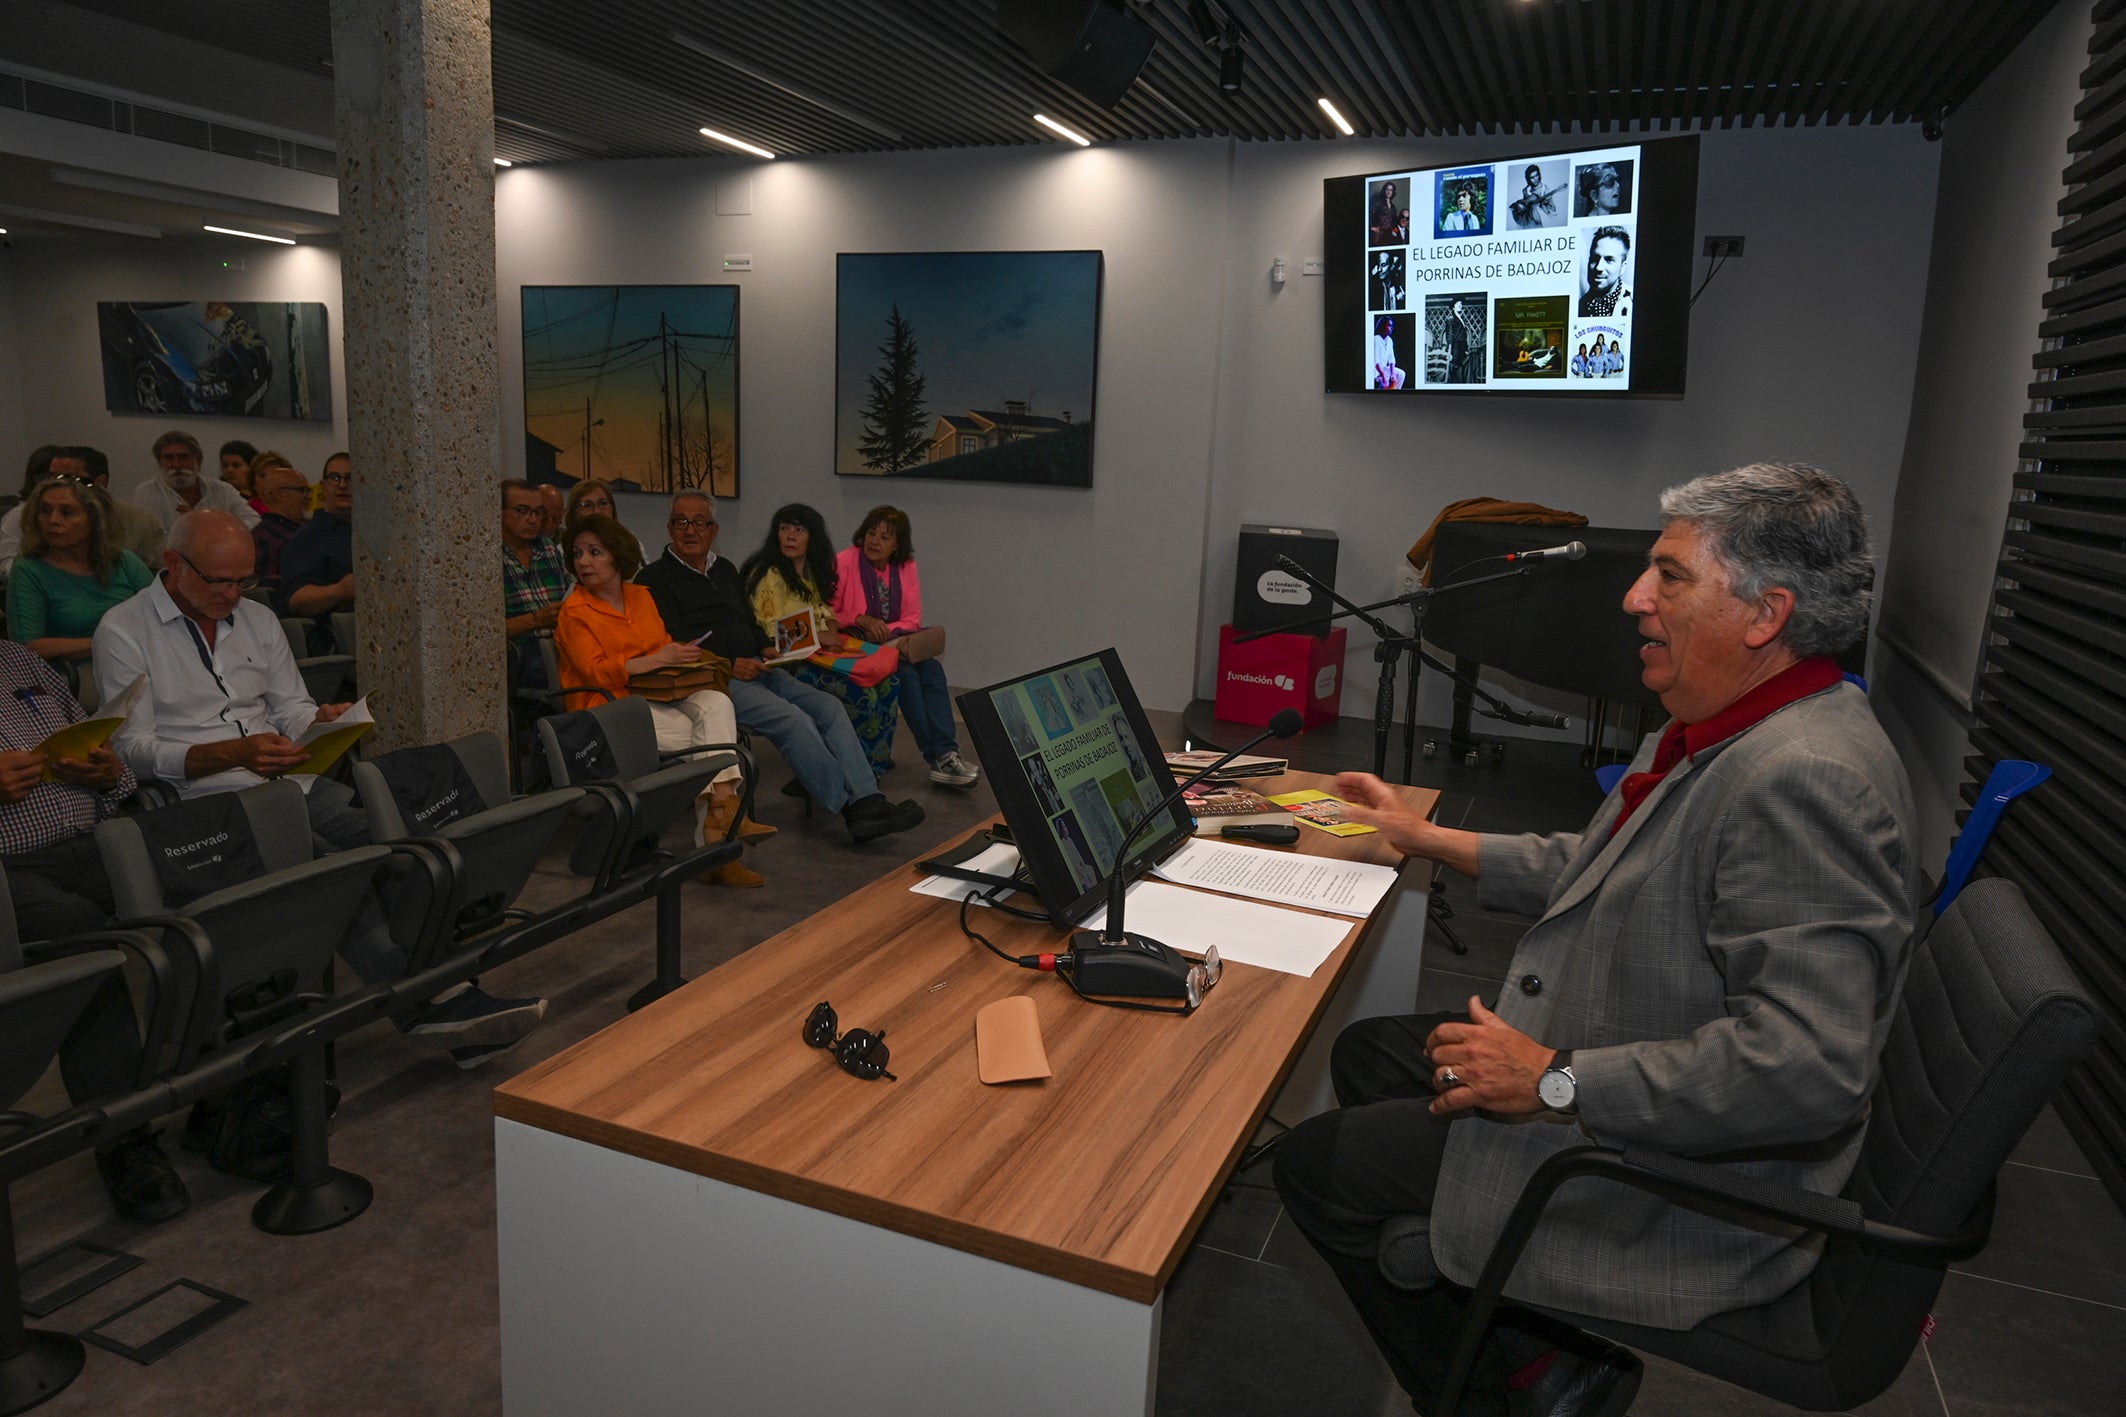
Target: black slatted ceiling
577 80
2053 683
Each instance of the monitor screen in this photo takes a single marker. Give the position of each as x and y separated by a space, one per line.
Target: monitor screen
1074 766
1553 274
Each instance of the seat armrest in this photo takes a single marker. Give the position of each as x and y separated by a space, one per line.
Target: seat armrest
164 1003
201 1018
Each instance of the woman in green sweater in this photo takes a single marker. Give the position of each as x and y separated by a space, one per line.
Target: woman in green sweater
70 570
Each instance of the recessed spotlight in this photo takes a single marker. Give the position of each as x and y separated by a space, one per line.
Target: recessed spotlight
251 235
1229 69
1054 127
504 162
730 141
1338 119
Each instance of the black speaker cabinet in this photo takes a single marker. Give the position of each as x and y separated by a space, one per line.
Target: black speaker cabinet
1095 46
1265 596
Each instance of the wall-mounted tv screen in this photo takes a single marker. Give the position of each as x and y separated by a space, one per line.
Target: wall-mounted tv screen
1562 274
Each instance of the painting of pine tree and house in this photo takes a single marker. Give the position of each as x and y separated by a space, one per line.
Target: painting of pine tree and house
976 366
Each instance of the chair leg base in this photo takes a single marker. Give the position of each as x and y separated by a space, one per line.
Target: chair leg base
41 1371
292 1209
651 992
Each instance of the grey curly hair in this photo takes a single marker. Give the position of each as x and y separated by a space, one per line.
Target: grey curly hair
1792 525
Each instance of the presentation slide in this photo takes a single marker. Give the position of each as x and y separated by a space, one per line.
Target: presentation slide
1076 748
1514 274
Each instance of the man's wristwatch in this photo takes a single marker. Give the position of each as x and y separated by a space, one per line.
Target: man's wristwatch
1558 1089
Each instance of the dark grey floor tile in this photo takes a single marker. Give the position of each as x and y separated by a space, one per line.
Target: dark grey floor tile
1491 939
1240 1219
2056 1232
2003 1351
1240 1339
2048 1143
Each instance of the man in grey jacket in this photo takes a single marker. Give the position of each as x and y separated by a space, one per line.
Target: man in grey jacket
1712 971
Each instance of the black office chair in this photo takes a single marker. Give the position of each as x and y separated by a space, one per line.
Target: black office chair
611 750
39 1006
1991 1019
259 956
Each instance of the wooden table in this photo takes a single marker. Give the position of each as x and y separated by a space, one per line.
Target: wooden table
700 1214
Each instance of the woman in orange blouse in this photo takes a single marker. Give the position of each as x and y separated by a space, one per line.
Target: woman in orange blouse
610 629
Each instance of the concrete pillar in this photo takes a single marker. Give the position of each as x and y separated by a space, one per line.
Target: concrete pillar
414 100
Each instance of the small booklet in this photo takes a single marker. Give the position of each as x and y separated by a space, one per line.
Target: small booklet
329 742
1322 811
1216 805
78 740
796 637
1243 766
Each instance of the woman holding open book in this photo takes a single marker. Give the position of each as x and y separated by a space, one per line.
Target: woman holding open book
608 632
881 598
792 573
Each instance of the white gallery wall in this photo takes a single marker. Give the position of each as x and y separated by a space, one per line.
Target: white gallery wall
1210 405
51 373
2000 186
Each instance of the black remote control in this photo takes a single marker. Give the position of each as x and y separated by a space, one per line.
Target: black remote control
1268 833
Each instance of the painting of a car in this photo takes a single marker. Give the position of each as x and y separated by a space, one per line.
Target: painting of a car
216 358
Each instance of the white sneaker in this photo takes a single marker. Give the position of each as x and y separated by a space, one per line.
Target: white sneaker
954 771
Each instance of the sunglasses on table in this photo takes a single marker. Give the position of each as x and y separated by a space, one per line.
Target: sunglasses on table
860 1053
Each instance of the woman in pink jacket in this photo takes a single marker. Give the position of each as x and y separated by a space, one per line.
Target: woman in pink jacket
880 596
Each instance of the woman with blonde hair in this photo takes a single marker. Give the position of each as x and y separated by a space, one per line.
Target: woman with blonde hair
610 630
71 569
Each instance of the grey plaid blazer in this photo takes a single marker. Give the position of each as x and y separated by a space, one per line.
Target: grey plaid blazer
1724 971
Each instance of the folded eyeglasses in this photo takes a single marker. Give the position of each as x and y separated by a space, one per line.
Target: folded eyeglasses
861 1054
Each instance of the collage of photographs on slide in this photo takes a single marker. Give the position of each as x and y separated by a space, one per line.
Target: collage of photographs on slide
1508 274
1076 748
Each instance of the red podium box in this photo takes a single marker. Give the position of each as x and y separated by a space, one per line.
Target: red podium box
1258 679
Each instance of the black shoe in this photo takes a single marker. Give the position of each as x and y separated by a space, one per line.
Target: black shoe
1598 1383
471 1018
872 817
473 1055
144 1186
794 788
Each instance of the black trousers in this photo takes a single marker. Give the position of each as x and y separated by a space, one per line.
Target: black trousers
61 890
1343 1173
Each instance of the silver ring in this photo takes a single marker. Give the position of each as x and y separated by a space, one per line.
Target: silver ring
1448 1080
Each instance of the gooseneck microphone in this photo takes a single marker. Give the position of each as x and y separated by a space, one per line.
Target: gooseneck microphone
1570 551
1112 961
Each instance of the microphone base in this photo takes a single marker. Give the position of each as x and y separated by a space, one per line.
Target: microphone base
1133 966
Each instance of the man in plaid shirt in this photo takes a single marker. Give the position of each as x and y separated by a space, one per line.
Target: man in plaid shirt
57 881
535 577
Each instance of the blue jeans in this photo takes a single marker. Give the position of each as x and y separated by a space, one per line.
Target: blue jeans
926 703
811 732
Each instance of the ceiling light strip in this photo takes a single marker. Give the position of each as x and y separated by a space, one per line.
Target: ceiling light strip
738 143
1054 127
251 235
1343 124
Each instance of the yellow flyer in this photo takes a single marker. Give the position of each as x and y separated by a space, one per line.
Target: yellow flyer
1321 811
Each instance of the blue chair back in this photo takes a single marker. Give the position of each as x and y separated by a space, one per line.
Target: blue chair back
2010 779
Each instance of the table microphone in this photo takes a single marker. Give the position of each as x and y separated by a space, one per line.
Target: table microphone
1112 961
1570 551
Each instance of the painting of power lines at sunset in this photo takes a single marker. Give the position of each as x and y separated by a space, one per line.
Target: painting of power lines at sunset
634 384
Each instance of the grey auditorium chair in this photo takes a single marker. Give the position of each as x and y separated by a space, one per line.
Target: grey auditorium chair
455 797
611 749
1990 1021
259 954
39 1005
324 675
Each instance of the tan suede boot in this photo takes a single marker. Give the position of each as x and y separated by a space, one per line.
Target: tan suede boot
750 830
717 813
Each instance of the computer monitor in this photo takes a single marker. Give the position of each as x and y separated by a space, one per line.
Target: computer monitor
1074 766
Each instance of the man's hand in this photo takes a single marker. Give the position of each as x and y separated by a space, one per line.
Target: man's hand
19 775
1495 1065
329 713
98 771
1375 804
269 754
546 617
747 669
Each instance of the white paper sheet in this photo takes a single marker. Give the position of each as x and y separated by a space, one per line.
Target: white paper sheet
1279 877
1245 931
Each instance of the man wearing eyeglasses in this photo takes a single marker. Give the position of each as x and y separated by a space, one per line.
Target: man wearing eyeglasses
699 597
178 488
535 578
226 704
317 564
